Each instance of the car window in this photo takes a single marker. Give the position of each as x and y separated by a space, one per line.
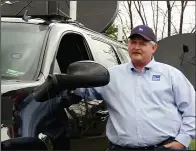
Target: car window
21 46
56 67
123 54
105 53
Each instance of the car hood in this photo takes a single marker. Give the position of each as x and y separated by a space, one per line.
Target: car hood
9 85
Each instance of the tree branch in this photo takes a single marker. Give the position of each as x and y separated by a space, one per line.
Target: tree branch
194 29
183 6
144 12
157 19
122 24
130 13
153 15
139 11
161 10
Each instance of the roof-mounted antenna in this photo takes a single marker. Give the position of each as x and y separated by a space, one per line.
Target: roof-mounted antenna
25 16
23 8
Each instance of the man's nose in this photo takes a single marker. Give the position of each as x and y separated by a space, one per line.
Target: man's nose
137 46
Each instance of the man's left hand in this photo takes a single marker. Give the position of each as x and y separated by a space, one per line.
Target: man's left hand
175 145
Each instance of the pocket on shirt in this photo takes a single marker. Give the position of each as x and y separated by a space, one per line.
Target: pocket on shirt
161 91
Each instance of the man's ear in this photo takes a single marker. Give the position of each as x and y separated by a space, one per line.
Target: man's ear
154 47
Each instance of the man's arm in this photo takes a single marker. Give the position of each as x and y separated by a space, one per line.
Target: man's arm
89 94
184 94
69 98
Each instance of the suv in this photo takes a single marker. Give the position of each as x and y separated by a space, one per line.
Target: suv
34 47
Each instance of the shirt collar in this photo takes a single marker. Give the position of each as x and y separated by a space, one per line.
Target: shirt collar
148 66
151 63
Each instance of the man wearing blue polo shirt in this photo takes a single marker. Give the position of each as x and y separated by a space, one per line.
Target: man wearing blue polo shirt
151 104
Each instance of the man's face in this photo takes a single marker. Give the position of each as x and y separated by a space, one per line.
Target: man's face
140 50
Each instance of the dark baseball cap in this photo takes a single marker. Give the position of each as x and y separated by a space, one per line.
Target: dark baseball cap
144 31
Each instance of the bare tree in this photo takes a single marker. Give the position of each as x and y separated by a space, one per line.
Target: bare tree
164 23
138 7
161 16
144 13
165 15
183 6
193 30
129 12
157 17
155 21
169 10
129 3
126 38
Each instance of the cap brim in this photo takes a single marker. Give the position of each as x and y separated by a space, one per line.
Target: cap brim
148 39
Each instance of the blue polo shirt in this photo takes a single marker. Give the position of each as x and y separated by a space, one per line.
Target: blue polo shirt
147 107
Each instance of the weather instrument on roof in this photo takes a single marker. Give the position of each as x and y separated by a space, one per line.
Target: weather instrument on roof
179 51
96 15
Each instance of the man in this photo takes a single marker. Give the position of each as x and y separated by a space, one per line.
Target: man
151 104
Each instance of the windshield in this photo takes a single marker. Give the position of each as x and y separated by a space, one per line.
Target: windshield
21 46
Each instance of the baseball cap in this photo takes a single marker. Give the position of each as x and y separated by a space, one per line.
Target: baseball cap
144 31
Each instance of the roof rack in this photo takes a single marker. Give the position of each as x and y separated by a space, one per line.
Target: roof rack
48 18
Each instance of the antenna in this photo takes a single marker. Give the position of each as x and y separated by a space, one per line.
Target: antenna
25 17
23 8
58 8
97 16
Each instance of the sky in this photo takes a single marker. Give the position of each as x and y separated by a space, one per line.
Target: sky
189 16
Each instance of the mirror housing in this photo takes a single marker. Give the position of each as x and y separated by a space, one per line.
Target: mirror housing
84 74
80 74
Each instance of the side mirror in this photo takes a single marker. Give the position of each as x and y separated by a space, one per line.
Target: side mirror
80 74
84 74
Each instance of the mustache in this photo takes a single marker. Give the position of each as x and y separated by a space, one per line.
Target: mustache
136 52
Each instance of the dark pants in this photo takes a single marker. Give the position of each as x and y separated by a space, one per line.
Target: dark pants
154 147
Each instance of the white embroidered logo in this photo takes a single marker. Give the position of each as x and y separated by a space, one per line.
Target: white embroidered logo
141 29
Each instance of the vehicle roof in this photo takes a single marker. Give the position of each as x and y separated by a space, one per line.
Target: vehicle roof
76 26
20 20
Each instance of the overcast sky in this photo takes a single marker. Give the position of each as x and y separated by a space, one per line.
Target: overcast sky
189 16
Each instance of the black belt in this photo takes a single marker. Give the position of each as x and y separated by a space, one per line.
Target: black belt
118 147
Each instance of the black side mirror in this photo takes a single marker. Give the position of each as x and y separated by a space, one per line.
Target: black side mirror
80 74
84 74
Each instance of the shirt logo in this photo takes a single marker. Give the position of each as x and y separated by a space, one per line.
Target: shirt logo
156 77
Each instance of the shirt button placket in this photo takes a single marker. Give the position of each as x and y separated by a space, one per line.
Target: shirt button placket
137 106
